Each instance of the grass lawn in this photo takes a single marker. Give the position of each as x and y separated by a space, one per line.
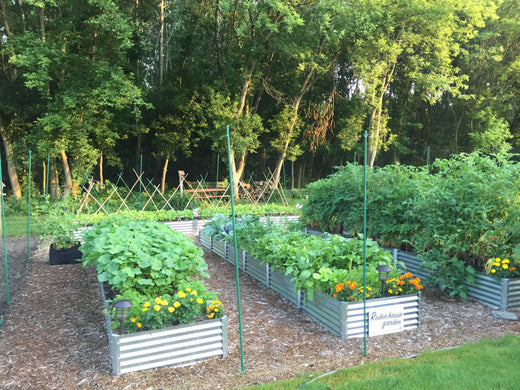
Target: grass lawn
16 226
489 364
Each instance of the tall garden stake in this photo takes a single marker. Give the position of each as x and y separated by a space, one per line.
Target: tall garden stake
4 235
365 246
236 250
29 208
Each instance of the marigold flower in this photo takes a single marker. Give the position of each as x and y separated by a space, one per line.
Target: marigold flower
164 302
176 304
139 324
145 309
193 292
181 294
335 296
200 301
188 289
146 304
156 307
132 319
352 285
171 309
211 315
158 300
339 287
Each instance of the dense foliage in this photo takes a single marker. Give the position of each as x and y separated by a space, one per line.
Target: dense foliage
148 262
325 263
456 217
96 84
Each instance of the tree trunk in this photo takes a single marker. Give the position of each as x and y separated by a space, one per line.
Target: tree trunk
162 6
101 177
237 173
66 174
53 181
44 178
163 178
11 166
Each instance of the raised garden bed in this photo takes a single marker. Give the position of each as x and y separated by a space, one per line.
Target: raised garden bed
172 346
503 294
345 319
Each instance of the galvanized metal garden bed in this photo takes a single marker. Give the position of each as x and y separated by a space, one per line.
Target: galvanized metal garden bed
503 294
173 346
345 319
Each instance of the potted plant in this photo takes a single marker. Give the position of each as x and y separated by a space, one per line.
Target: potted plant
59 230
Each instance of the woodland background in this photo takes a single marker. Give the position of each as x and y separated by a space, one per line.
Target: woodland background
97 87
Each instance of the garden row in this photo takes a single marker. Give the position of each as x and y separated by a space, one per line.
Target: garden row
459 216
493 290
323 276
158 310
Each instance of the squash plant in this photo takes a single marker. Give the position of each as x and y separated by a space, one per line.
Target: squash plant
146 256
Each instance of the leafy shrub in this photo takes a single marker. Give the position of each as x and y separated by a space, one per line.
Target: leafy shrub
456 218
142 255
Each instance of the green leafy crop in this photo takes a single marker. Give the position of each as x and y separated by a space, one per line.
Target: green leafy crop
146 256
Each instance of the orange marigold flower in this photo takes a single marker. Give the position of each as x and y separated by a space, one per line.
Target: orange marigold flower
339 287
352 285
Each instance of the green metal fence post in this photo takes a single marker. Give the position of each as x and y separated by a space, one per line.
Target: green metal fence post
4 235
29 209
236 250
365 325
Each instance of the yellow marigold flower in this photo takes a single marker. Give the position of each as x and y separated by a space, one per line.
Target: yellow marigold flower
181 294
145 309
146 304
188 289
176 304
211 315
139 324
171 309
216 309
504 266
493 271
164 302
156 307
390 291
200 301
505 261
132 319
193 292
191 299
158 300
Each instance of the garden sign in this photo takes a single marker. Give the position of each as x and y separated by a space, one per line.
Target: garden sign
384 320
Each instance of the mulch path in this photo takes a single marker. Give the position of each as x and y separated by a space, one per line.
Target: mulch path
53 336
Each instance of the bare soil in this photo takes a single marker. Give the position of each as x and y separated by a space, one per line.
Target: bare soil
53 336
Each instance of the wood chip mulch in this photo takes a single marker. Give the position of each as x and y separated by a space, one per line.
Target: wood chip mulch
53 336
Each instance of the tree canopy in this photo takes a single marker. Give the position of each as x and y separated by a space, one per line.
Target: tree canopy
96 83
